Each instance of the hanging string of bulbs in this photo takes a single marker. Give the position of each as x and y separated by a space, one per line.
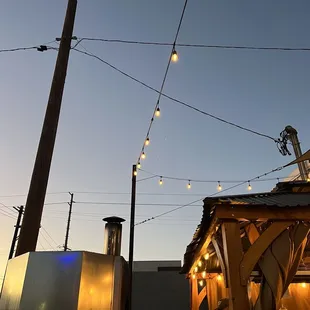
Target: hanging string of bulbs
174 57
189 182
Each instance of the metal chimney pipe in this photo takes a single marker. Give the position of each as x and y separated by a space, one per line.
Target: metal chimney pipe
113 236
292 135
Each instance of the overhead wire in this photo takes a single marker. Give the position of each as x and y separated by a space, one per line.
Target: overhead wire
242 47
49 236
173 99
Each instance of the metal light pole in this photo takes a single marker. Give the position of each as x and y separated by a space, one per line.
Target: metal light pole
34 206
132 230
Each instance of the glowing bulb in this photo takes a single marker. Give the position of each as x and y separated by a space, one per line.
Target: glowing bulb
304 285
143 155
249 186
196 269
147 141
138 165
157 113
219 277
189 184
135 173
174 56
308 178
204 274
207 256
200 263
201 282
219 187
161 181
193 276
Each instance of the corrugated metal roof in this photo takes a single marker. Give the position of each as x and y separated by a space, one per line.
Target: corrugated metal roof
279 199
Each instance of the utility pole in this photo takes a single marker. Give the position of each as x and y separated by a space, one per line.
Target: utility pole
292 136
69 221
20 211
34 205
132 231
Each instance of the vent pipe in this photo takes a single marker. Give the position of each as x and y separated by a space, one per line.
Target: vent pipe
113 235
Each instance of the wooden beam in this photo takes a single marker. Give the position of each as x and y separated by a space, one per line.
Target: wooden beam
220 257
259 246
262 213
202 296
238 295
203 244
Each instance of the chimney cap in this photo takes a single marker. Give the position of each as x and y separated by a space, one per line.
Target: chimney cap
113 219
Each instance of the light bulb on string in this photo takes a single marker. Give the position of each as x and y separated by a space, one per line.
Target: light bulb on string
200 263
193 276
161 181
189 184
143 155
204 274
219 186
139 165
207 255
147 141
135 173
219 277
249 186
174 55
196 269
201 282
157 113
303 284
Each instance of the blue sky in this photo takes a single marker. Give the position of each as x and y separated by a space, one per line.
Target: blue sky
105 115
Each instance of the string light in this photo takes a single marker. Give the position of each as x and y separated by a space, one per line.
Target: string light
143 155
139 165
189 185
161 181
200 263
304 285
193 276
147 141
174 56
157 113
135 173
219 187
207 256
219 277
249 186
204 274
196 269
201 282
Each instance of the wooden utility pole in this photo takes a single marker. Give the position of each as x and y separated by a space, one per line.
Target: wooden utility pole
69 221
20 211
34 206
132 231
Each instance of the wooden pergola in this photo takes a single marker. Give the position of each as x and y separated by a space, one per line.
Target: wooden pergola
259 237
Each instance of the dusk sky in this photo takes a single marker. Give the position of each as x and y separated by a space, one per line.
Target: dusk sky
105 115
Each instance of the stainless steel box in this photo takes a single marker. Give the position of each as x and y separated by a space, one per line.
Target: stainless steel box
65 280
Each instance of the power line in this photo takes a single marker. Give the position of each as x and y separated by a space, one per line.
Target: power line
52 247
191 203
40 48
180 102
156 109
49 236
239 47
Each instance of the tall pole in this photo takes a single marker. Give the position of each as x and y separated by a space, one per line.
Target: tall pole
69 221
34 205
293 136
132 230
20 211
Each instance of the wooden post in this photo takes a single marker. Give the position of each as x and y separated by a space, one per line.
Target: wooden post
238 297
194 294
